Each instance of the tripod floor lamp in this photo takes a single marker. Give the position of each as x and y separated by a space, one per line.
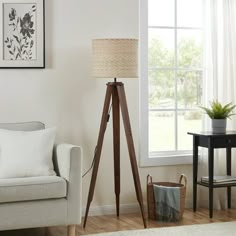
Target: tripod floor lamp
115 58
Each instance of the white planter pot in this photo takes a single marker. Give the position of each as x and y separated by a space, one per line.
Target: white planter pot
219 126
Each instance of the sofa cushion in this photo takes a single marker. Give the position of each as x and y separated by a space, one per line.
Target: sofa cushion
26 153
32 188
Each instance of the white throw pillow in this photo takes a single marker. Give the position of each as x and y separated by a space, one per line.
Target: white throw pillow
26 153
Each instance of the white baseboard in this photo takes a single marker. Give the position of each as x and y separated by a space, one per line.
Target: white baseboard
124 209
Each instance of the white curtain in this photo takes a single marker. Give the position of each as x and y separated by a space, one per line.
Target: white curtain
219 81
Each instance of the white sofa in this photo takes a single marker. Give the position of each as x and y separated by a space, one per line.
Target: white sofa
44 201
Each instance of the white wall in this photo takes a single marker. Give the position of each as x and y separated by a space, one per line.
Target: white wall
66 96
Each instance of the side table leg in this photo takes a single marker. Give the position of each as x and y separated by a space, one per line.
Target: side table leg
195 171
228 167
211 174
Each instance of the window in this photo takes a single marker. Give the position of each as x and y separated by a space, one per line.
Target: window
171 79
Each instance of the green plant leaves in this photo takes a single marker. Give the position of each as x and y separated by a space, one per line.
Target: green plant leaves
219 111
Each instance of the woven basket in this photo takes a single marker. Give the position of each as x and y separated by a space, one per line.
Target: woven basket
150 195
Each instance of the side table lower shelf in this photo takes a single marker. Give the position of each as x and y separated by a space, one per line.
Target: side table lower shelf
217 185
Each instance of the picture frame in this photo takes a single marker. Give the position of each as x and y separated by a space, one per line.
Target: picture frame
22 42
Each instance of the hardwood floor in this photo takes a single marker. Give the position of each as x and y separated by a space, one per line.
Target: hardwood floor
101 224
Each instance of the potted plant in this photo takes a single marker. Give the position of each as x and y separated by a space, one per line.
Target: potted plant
219 114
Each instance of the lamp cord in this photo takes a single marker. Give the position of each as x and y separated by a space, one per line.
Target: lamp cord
95 149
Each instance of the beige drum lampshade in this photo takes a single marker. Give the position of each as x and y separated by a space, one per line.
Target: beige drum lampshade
115 58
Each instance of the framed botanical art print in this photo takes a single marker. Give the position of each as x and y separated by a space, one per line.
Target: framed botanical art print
22 34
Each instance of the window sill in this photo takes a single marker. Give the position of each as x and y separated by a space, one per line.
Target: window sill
166 160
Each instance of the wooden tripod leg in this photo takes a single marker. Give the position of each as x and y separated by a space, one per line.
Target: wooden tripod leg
116 145
129 137
98 150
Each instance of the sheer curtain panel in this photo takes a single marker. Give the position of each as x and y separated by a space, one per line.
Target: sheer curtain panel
219 82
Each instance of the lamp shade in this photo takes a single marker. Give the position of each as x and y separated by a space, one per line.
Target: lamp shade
115 58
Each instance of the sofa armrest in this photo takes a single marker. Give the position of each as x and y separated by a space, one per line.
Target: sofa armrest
68 164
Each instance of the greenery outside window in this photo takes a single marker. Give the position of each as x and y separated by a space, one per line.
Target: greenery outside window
171 79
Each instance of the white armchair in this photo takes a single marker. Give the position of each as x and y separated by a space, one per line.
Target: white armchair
44 201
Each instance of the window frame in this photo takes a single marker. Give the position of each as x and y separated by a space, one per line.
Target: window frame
167 157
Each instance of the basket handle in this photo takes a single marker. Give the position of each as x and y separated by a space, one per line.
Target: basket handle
185 179
149 179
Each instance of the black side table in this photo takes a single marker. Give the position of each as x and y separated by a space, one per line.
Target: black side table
211 141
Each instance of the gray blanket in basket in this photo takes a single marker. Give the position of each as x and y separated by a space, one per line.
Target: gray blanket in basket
167 202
